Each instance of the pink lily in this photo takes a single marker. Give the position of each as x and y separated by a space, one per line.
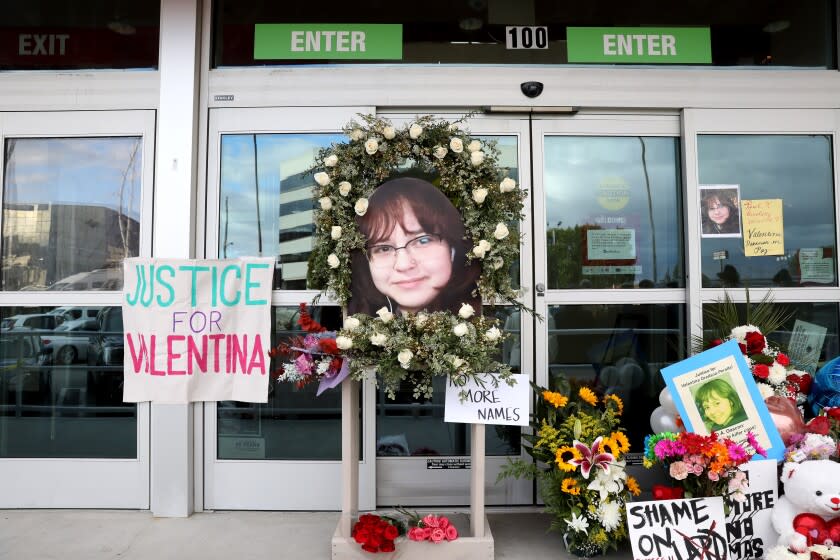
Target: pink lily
591 457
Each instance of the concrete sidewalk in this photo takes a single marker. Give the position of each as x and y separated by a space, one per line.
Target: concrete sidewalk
226 535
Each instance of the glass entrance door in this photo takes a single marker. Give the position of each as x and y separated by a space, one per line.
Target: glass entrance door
285 454
76 200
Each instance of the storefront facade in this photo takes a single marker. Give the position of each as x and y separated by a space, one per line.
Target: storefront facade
195 148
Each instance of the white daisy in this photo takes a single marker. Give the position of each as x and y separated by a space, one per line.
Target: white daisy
578 523
609 514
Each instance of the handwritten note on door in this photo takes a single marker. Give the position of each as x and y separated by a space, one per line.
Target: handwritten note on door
763 227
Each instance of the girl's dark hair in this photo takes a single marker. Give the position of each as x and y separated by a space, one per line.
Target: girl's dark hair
723 389
436 214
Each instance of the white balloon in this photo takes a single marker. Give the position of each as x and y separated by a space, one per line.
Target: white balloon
667 401
661 420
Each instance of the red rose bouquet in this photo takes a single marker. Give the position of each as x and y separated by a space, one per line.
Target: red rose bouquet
375 533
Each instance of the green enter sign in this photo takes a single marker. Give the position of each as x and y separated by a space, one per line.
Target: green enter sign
281 41
645 45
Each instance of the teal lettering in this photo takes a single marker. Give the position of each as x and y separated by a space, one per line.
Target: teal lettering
166 285
249 284
139 288
194 270
223 294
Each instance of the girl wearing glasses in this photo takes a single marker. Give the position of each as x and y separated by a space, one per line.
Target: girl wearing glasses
720 212
415 255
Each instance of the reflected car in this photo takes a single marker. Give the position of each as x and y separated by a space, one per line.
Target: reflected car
106 346
18 358
69 343
34 321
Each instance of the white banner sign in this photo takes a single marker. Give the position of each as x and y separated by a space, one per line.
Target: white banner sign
749 526
197 330
691 528
485 404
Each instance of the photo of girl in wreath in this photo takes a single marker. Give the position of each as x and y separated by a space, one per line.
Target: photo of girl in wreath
415 256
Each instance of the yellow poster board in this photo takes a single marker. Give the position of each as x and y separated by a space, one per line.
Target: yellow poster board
763 227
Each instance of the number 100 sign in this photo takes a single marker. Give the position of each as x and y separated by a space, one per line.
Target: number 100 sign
525 37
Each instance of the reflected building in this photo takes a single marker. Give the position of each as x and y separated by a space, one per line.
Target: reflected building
296 230
59 246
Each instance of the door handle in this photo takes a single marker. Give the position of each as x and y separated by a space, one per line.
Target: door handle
540 288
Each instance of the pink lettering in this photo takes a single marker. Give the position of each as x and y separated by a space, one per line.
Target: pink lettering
172 355
240 353
216 338
141 358
153 354
193 355
257 357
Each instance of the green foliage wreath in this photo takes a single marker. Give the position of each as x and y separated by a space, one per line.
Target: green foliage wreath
417 346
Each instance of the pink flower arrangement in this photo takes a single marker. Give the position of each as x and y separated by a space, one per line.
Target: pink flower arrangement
433 528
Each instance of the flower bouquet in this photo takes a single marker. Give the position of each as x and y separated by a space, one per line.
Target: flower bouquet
579 443
375 533
819 440
703 466
309 358
432 528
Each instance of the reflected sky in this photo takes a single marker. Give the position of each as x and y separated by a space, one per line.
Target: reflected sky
85 171
796 169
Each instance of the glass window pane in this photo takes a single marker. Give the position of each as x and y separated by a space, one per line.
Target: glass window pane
405 427
799 171
54 34
614 212
266 200
71 212
61 384
750 33
820 320
294 424
618 349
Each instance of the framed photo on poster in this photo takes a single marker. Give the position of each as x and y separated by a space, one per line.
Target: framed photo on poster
715 391
720 211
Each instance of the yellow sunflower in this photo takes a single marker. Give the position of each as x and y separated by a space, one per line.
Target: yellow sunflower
586 395
610 446
621 440
633 486
556 399
619 404
562 459
569 486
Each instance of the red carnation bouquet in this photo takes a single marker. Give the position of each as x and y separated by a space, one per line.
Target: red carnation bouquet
309 358
375 533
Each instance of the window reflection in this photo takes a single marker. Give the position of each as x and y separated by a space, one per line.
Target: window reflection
796 169
618 349
266 200
613 212
71 212
61 381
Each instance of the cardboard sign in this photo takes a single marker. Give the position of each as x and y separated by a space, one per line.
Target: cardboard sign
724 371
196 330
764 233
504 405
749 525
692 528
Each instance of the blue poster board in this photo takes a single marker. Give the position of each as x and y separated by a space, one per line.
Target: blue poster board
715 391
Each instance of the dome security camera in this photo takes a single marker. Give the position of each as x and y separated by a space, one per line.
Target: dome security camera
531 89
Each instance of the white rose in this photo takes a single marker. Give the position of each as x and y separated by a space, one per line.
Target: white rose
331 160
501 231
322 178
344 188
421 319
498 263
466 311
414 131
456 145
439 152
351 323
479 195
457 362
378 339
326 202
460 329
335 232
384 314
371 146
357 134
404 357
474 146
481 249
493 334
361 206
477 158
344 342
778 374
507 185
389 132
333 261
